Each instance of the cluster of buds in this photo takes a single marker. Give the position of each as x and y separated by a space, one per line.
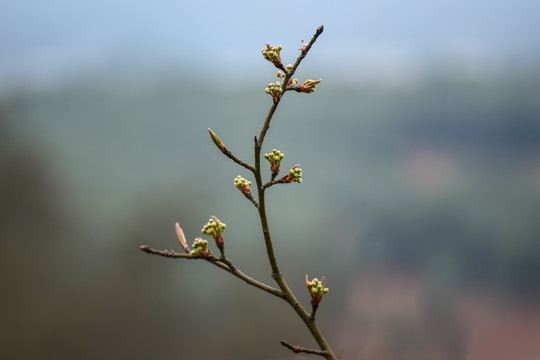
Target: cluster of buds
309 85
275 160
200 248
218 142
271 53
181 237
214 228
275 90
243 185
282 76
316 290
294 175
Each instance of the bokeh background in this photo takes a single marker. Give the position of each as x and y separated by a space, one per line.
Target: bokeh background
421 194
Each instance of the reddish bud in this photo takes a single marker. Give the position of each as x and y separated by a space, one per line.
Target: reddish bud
309 85
181 237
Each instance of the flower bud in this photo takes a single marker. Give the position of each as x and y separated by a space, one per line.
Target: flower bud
309 85
275 90
217 141
181 237
214 228
294 175
243 185
316 289
200 248
271 53
274 158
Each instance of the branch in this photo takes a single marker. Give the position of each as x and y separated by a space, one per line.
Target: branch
231 156
284 292
305 49
222 263
265 127
238 161
297 349
288 76
252 199
273 182
276 274
167 253
227 152
233 270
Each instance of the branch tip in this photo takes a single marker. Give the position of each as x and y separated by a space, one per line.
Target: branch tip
221 146
298 349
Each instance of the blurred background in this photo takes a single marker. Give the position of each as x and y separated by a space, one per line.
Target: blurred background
421 194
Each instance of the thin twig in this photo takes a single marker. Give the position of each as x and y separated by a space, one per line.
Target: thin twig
288 76
252 199
221 146
305 49
222 263
298 349
234 270
168 253
231 156
273 182
266 125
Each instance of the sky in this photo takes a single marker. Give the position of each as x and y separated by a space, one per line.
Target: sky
46 41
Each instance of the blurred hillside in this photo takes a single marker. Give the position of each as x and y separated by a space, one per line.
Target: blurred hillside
434 184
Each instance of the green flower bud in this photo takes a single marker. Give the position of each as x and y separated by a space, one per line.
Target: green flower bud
200 248
217 141
274 158
243 185
214 228
271 53
294 175
316 289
